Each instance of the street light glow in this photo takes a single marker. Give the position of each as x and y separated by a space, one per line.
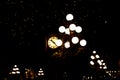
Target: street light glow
69 17
83 42
75 40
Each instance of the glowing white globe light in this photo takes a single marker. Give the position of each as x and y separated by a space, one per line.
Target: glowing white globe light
69 17
94 52
78 29
15 65
92 63
42 73
75 40
99 62
14 69
13 72
40 68
18 72
92 57
83 42
100 67
67 31
58 42
61 29
105 67
72 27
103 63
97 56
17 68
67 44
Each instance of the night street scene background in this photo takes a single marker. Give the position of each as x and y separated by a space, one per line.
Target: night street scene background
27 25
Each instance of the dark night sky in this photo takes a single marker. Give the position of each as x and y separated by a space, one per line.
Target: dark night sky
25 24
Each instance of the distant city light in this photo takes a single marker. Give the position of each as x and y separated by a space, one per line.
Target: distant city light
69 17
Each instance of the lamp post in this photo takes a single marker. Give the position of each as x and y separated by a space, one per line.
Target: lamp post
96 60
68 37
68 42
40 74
15 73
97 63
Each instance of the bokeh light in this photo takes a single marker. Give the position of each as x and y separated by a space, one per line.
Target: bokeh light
78 29
83 42
61 29
69 17
75 40
67 31
72 27
59 42
67 44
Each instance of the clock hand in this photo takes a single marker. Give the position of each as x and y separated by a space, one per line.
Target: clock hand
54 42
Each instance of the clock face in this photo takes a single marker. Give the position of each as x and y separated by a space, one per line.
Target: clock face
52 42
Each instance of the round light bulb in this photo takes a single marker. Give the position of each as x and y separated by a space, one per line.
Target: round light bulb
67 44
61 29
78 29
75 40
83 42
72 27
69 17
58 42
